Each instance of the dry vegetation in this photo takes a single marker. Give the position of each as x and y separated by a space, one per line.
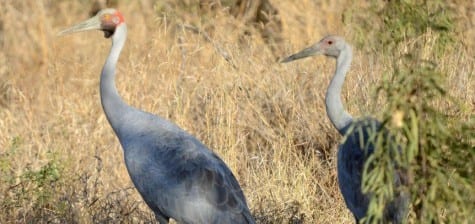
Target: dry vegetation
266 120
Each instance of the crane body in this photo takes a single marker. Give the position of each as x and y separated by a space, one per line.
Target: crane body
177 176
356 146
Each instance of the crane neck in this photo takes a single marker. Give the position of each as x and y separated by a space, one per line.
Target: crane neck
113 105
334 106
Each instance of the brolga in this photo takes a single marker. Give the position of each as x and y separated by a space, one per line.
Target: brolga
356 146
177 176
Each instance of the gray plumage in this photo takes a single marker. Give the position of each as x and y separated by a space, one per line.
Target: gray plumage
177 176
352 154
355 147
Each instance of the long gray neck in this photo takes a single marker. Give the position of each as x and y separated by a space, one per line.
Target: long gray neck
337 114
113 105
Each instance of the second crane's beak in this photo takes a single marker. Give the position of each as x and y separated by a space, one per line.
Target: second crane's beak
93 23
307 52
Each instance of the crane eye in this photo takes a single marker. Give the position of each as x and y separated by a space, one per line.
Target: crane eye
330 42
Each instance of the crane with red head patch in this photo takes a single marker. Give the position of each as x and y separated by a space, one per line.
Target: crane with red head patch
106 20
177 175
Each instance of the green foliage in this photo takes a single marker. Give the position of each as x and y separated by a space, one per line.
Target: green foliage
6 174
438 152
42 182
51 194
407 20
380 174
387 26
437 149
34 188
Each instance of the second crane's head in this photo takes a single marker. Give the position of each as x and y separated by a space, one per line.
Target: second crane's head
107 20
330 46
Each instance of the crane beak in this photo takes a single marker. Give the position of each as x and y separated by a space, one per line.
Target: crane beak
307 52
93 23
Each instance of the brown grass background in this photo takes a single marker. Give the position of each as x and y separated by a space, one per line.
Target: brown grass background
266 120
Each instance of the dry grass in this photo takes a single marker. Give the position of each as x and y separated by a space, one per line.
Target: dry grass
266 120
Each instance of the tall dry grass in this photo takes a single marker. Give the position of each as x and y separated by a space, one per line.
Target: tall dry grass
266 120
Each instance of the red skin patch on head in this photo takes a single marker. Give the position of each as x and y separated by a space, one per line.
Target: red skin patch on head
120 16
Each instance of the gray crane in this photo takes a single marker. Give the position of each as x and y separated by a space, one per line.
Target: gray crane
177 176
356 146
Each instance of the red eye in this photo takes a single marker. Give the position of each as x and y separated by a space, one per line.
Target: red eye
330 42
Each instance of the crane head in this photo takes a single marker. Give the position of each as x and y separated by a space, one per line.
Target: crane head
106 20
330 46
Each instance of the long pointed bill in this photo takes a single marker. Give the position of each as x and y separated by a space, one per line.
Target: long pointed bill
310 51
93 23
